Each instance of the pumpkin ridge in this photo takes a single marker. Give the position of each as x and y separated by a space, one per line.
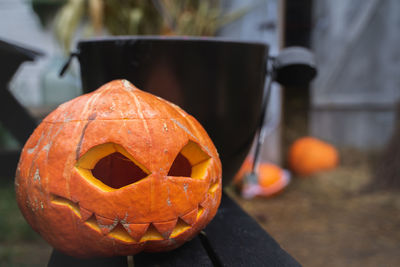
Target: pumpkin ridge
88 105
105 119
139 110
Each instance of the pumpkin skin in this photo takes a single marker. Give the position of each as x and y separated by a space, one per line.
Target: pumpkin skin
309 155
116 172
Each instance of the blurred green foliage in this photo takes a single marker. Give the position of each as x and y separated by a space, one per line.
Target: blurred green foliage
13 226
7 141
19 244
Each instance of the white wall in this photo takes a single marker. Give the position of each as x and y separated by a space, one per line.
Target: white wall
357 48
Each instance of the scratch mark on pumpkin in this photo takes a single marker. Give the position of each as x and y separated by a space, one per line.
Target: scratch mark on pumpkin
112 107
36 207
66 118
184 128
168 198
127 228
92 100
79 147
139 112
123 221
17 178
108 227
185 187
127 85
36 176
33 163
178 109
58 131
165 127
92 116
47 147
31 150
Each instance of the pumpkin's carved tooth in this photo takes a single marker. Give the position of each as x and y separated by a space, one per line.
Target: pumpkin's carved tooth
165 228
120 233
92 223
200 212
213 188
58 200
106 225
181 226
85 213
190 217
206 203
151 234
136 230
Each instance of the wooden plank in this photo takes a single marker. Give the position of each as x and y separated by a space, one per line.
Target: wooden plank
238 240
190 254
58 259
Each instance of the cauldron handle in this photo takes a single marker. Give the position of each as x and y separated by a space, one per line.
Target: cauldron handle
67 63
294 66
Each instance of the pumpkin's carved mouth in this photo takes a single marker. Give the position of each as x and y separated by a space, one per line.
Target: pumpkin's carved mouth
133 232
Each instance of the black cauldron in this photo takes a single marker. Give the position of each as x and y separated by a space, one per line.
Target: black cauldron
220 82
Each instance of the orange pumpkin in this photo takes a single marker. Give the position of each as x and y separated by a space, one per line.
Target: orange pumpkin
271 179
308 155
116 172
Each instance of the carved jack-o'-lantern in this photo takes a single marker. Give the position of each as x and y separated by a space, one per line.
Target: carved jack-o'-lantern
118 171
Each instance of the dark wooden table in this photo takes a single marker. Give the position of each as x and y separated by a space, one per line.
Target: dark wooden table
233 238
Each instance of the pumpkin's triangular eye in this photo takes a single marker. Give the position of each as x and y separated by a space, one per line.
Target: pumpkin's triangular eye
117 171
180 167
191 161
110 166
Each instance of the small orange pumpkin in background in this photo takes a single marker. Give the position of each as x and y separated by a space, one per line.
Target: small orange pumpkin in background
308 155
271 179
116 172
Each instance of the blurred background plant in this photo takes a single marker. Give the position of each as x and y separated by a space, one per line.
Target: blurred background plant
141 17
